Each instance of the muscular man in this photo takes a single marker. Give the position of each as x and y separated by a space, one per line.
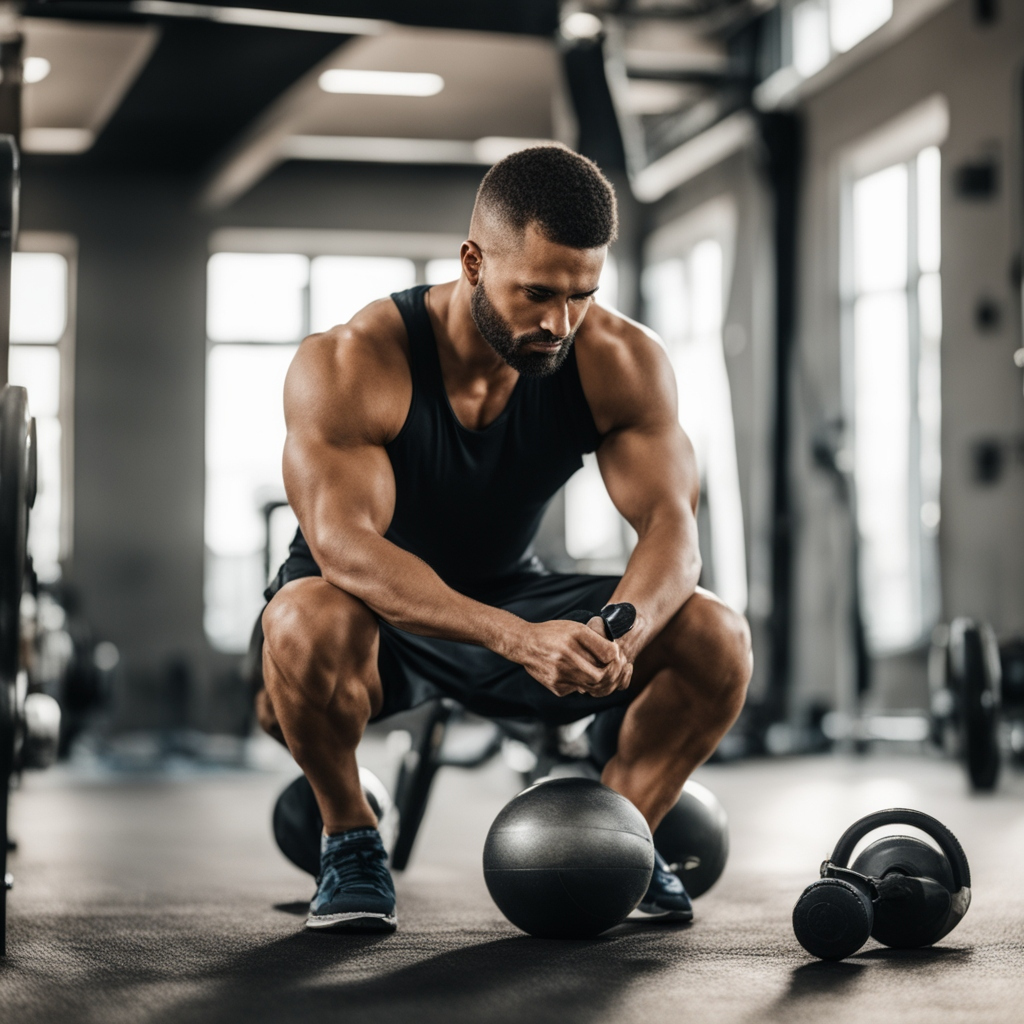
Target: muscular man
425 440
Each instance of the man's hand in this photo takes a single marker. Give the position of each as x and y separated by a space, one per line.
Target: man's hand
568 657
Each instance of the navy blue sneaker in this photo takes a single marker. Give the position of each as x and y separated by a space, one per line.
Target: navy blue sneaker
354 888
666 899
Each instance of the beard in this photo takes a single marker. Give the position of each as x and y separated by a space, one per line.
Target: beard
496 331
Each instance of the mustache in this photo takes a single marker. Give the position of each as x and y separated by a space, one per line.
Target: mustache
543 337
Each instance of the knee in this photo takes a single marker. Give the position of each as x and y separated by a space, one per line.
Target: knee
318 640
713 642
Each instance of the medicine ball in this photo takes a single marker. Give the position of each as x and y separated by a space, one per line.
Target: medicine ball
298 825
568 858
694 838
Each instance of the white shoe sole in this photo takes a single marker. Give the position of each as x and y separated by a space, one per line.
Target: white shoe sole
354 921
661 915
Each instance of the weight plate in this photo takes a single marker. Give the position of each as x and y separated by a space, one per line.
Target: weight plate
975 678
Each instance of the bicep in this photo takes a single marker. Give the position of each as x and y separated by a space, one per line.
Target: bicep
337 489
650 468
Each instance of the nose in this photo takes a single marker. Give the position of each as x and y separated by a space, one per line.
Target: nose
556 320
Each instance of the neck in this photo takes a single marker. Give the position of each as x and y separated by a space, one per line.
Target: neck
449 309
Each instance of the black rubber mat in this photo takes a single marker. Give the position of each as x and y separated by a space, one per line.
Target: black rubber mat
166 901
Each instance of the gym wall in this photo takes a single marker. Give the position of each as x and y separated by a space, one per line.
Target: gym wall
977 68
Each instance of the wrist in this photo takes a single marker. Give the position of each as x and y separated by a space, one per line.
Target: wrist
633 642
505 634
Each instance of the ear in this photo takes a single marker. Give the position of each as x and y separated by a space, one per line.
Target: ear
472 260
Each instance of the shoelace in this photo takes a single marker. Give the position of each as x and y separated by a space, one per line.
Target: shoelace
357 867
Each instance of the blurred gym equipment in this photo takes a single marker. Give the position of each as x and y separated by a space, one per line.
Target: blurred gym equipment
17 493
965 680
298 825
900 891
568 859
694 838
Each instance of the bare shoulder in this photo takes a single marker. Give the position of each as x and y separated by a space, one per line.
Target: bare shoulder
625 371
352 384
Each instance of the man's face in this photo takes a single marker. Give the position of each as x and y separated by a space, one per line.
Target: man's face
536 296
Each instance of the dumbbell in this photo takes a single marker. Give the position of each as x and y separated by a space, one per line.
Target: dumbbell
900 891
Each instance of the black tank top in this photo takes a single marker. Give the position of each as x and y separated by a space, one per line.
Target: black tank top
469 502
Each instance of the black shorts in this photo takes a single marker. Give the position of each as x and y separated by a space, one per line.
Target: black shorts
414 669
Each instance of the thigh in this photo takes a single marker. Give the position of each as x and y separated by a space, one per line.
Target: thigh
687 639
488 684
319 640
394 690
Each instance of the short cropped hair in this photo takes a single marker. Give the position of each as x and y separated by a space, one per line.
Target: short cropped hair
563 193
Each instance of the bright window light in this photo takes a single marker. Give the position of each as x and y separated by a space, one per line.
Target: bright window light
880 227
683 299
443 270
39 310
44 528
929 237
381 83
851 21
593 526
244 440
37 367
340 286
897 397
594 530
608 285
256 296
811 50
34 69
39 289
882 462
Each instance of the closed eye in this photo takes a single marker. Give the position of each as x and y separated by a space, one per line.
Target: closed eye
542 295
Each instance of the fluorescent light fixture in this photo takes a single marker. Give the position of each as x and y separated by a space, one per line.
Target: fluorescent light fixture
381 83
295 21
56 140
35 69
377 149
492 148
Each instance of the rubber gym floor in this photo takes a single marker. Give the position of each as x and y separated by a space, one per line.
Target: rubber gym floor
162 898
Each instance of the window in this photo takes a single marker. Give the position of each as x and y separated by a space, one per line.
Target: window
893 323
595 534
820 29
684 299
41 360
259 307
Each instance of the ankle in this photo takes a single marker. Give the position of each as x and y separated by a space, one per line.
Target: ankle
360 836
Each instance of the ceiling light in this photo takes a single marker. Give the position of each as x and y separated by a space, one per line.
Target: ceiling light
35 69
381 83
582 25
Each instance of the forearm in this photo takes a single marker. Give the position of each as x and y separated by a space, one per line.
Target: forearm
660 578
406 593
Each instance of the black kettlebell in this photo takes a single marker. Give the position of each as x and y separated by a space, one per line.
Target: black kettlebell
900 891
